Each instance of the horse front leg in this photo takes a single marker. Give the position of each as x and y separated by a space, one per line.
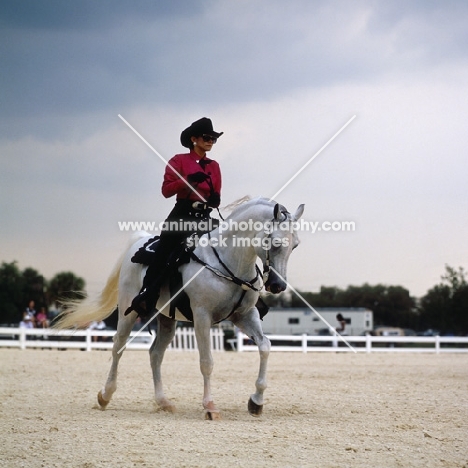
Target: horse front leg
202 327
164 335
250 324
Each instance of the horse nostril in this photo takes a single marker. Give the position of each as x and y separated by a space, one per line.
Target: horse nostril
276 288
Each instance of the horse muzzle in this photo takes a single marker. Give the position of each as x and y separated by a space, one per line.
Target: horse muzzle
274 283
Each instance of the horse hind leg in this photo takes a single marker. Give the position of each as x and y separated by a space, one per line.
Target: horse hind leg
124 327
164 335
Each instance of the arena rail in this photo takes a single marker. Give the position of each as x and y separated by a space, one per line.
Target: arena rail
184 339
366 344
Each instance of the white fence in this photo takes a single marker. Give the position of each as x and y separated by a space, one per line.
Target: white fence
367 344
184 339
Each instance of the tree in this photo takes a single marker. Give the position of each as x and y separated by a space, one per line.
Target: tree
455 279
328 296
460 310
12 300
35 287
65 286
392 305
445 306
18 288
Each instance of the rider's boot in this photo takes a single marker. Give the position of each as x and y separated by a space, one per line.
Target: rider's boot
145 302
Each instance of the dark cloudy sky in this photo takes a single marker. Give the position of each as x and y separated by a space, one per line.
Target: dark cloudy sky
279 78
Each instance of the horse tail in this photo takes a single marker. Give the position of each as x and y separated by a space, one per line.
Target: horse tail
78 314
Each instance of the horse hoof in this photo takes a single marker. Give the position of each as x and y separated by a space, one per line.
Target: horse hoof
102 403
211 412
212 415
254 409
165 405
169 408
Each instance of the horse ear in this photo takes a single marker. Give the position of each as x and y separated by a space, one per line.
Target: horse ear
299 212
276 211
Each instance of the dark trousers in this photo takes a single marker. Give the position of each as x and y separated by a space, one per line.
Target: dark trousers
189 220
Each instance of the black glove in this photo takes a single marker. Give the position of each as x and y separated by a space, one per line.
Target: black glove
197 177
214 200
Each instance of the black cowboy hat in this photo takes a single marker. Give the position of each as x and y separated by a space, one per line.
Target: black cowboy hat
198 128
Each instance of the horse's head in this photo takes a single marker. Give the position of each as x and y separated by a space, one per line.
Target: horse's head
279 241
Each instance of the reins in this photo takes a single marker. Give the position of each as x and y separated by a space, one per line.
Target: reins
230 276
245 285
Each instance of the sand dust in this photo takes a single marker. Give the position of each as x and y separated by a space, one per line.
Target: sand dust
323 410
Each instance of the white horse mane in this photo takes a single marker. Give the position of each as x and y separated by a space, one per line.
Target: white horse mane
245 202
236 203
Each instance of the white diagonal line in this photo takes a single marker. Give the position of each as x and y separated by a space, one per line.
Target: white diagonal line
313 157
162 308
313 310
160 157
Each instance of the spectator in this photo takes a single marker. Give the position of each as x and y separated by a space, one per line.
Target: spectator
28 321
342 322
30 312
101 325
41 319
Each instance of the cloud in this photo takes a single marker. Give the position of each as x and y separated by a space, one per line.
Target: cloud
87 14
397 172
67 58
279 79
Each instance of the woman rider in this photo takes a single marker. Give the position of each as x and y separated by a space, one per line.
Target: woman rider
196 181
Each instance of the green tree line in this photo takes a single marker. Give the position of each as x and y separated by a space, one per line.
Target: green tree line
19 287
443 308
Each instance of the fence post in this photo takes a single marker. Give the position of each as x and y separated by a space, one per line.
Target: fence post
220 339
368 343
335 340
194 340
216 339
88 340
218 342
240 341
437 344
183 344
179 343
304 343
22 338
180 339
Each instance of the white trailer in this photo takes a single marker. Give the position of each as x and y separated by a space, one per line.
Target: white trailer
297 321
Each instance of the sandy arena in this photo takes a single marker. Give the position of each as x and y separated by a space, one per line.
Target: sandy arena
322 410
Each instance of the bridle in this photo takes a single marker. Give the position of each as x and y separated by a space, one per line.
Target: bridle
230 276
245 285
